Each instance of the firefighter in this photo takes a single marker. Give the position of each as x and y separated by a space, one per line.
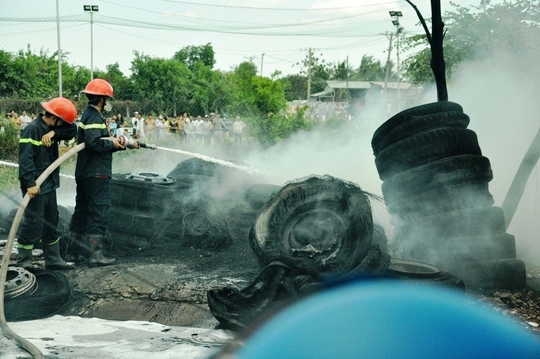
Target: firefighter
38 148
90 221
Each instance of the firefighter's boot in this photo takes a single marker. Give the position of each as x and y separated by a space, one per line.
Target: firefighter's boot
53 260
96 257
75 251
24 258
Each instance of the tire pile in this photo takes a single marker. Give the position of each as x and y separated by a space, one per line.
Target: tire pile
149 208
435 185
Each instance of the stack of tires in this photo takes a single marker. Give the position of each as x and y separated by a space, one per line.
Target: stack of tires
435 185
153 209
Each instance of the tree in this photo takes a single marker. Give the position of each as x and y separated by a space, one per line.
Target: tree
370 69
320 71
510 27
295 87
341 71
190 55
123 87
160 81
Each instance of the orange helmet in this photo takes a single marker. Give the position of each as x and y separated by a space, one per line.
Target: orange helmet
99 87
61 107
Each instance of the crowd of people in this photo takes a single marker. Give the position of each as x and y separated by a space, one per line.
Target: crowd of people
212 129
18 122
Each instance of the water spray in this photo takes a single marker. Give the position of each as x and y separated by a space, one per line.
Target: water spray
248 169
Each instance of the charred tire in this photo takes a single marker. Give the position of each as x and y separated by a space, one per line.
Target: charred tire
416 124
423 272
52 294
320 224
194 166
451 252
496 274
422 110
437 174
146 197
256 195
426 147
461 222
467 195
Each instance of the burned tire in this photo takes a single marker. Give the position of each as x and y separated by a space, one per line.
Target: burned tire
452 252
416 124
194 166
445 172
52 294
426 147
319 224
423 272
467 195
422 110
461 222
256 195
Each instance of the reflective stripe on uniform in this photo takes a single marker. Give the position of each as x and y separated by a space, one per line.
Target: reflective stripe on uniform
28 246
30 141
96 126
53 243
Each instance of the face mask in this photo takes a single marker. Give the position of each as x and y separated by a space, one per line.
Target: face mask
107 107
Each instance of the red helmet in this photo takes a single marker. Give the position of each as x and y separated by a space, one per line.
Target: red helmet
61 107
99 87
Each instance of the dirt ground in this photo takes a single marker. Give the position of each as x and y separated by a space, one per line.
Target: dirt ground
167 283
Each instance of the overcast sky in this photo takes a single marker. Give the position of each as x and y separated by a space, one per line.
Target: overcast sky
238 30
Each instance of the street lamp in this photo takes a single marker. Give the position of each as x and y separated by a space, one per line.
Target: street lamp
91 9
395 21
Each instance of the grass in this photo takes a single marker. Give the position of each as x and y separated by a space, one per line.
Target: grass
9 179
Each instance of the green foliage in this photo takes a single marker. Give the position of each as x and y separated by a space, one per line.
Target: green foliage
320 71
272 128
370 69
510 27
159 80
9 142
191 55
9 179
341 71
295 87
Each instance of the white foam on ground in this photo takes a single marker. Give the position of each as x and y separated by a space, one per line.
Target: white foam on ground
76 337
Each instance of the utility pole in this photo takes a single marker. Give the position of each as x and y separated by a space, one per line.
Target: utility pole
262 60
309 74
59 50
347 72
387 70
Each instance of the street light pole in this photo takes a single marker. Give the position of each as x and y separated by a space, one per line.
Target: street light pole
91 9
59 50
395 21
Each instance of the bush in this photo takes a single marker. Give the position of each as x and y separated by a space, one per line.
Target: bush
9 142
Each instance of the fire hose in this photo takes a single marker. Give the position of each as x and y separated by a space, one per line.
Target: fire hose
8 333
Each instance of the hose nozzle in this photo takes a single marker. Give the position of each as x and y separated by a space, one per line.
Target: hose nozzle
147 145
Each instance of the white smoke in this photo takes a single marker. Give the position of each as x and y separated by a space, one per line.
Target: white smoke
499 94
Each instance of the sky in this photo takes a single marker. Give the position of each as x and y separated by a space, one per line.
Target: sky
274 34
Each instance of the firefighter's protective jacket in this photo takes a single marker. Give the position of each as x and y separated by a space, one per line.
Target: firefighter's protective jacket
95 160
34 157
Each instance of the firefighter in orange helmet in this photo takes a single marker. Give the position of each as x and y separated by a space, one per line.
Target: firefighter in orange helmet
93 172
38 148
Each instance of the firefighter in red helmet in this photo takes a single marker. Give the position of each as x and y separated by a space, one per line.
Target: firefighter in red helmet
38 148
90 221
